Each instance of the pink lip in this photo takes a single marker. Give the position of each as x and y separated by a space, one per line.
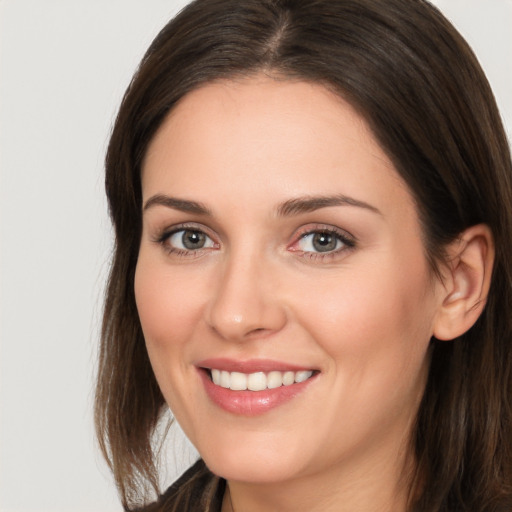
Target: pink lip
249 366
249 403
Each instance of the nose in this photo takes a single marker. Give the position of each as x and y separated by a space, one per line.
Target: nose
244 303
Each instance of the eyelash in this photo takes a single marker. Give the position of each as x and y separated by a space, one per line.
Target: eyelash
348 242
166 235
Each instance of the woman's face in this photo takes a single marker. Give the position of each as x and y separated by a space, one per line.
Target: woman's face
280 244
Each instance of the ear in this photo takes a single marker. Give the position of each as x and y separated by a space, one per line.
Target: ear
467 278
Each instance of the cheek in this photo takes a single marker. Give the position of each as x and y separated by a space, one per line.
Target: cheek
380 316
169 304
169 309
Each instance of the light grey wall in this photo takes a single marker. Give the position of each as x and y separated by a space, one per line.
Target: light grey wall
63 67
487 26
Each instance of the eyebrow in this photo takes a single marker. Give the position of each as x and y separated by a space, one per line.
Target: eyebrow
289 208
183 205
311 203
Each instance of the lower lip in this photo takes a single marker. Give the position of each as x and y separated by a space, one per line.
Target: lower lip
251 403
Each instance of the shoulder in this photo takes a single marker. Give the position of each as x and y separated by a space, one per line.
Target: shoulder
197 490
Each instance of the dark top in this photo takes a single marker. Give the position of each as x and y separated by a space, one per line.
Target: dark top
197 490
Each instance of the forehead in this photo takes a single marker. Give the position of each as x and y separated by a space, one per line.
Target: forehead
254 106
270 137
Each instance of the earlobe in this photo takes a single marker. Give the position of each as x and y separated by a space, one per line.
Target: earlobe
466 284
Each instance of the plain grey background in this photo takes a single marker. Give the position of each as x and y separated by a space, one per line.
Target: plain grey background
64 65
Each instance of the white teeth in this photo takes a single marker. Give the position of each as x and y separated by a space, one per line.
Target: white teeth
225 379
288 378
258 381
238 381
302 376
274 380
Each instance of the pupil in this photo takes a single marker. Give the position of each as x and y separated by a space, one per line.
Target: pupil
323 242
193 239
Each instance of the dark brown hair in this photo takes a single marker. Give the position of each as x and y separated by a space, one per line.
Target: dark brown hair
419 86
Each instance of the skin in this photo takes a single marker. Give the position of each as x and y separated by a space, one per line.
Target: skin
362 316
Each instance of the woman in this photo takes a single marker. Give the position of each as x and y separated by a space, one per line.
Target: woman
312 207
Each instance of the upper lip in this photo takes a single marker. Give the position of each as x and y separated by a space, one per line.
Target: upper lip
250 365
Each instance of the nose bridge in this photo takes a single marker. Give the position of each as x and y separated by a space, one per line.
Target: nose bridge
243 303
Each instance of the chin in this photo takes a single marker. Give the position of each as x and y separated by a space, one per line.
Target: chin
255 471
253 462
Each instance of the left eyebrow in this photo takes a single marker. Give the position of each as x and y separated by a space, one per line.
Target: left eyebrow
311 203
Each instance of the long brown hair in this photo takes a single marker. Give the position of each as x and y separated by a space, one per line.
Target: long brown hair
417 83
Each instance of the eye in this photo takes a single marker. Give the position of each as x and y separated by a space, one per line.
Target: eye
321 241
188 240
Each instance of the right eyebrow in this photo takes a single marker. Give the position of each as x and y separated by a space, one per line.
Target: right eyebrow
183 205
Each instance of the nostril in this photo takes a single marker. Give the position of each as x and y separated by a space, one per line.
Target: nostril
238 316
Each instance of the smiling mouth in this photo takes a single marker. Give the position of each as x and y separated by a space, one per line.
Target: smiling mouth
258 381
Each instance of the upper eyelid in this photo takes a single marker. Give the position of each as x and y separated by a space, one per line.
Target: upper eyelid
164 236
164 233
324 228
349 241
168 231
